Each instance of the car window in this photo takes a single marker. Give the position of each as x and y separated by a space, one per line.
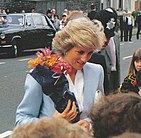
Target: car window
44 21
29 21
15 20
37 20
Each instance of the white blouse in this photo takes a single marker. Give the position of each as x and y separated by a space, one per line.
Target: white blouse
77 88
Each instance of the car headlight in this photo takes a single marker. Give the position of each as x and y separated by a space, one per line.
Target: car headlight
2 36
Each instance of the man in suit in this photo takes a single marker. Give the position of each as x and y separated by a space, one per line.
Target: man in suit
112 51
130 25
112 57
139 24
123 27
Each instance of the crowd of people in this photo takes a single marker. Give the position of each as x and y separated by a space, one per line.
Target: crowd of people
74 90
126 26
126 22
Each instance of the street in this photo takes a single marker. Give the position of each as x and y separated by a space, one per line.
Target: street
12 77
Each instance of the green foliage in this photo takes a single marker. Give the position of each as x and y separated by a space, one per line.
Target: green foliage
134 14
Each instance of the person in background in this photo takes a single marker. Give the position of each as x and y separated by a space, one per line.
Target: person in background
33 10
129 82
53 13
93 12
49 15
97 58
74 45
23 11
4 11
7 11
50 128
56 22
116 114
111 52
138 24
66 11
123 27
63 21
130 25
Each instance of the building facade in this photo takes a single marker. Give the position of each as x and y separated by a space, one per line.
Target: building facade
60 5
4 3
127 5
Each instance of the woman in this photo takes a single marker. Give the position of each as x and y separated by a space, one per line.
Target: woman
75 45
129 83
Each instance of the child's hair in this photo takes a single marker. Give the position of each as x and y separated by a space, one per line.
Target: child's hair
50 128
136 57
138 78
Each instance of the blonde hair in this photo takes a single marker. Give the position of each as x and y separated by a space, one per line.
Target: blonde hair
50 128
79 32
75 15
98 27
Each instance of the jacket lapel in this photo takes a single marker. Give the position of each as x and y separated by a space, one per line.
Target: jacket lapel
88 96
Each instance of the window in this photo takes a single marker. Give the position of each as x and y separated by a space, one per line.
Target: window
37 20
29 21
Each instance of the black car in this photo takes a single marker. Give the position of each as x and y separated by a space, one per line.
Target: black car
25 31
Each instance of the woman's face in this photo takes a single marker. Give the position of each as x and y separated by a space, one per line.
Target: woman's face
137 64
77 57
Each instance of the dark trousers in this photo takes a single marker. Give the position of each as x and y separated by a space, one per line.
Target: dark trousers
113 82
138 32
126 33
130 28
121 34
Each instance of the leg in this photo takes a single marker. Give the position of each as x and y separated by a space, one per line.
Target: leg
125 34
121 34
113 84
138 32
130 32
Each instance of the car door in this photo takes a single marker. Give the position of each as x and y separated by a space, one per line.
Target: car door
29 33
48 32
39 33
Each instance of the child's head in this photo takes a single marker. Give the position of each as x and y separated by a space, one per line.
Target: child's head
116 114
135 65
50 128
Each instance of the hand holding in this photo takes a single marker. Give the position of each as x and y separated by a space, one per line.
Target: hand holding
69 113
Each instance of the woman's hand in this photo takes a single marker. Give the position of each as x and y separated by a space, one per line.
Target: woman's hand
69 113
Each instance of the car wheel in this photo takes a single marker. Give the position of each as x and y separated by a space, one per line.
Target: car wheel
14 51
